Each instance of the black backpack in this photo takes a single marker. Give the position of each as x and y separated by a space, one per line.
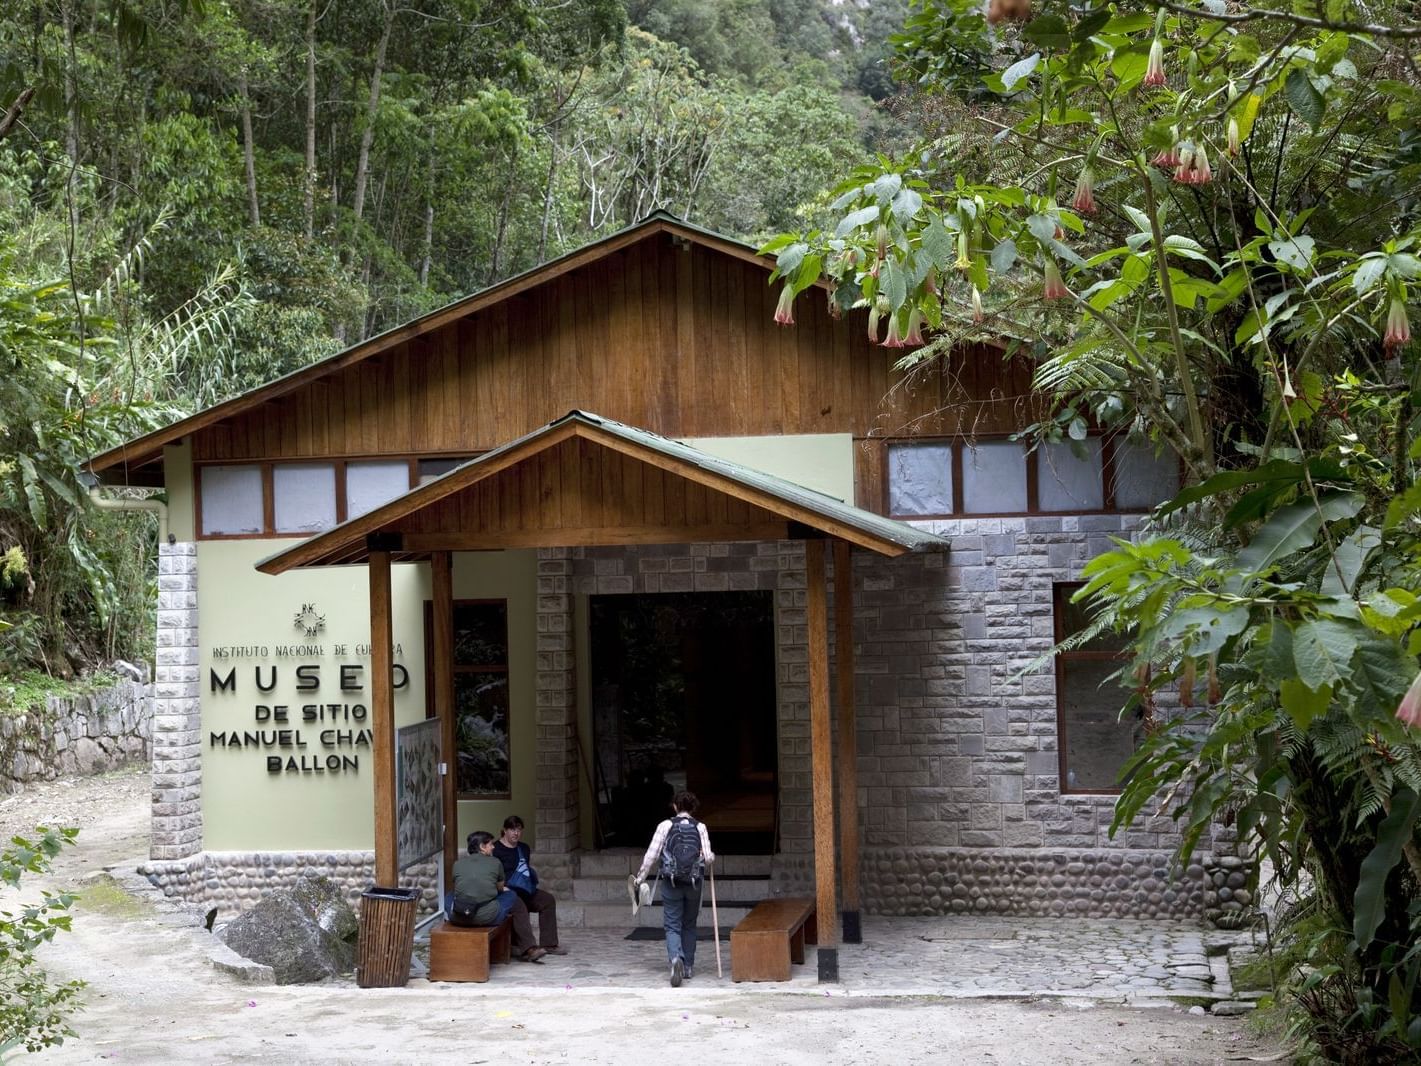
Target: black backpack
681 862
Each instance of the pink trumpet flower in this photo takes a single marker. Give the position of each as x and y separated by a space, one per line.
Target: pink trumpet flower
1167 159
881 236
1084 202
784 310
977 314
1408 712
1154 70
894 338
1055 287
873 324
915 328
1398 330
1233 137
1193 167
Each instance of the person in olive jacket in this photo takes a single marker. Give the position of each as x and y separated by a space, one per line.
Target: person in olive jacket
479 876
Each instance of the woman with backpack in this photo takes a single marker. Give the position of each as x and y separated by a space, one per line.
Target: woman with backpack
684 848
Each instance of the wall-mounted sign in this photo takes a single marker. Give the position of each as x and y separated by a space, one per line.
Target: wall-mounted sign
325 728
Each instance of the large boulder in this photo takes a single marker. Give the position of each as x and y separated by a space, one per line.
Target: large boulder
304 933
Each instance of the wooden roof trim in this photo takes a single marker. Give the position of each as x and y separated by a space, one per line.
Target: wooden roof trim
145 448
748 493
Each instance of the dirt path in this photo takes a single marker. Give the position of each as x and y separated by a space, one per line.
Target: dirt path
152 997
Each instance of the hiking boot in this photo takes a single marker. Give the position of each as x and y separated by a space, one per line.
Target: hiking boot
688 974
556 949
533 955
678 973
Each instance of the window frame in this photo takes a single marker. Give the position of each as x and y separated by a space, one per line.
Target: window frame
1108 444
431 711
1061 592
269 530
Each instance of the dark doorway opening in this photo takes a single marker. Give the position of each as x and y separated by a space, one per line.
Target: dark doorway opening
683 696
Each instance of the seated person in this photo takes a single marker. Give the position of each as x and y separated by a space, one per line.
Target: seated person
520 876
478 876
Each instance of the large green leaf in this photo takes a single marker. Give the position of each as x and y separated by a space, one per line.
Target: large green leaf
1380 674
1205 629
1347 563
1295 527
1321 650
1303 704
1277 470
1304 98
1369 904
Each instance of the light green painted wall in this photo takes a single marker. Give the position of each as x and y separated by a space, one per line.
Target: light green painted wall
177 477
511 576
245 807
820 461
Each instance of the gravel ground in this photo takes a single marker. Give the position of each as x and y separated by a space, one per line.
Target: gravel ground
152 997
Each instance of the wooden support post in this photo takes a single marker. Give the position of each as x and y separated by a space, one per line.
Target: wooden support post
442 574
848 740
382 710
822 764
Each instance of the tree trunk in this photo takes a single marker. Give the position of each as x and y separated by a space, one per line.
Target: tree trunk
548 195
495 266
71 109
308 185
249 151
13 114
367 135
428 256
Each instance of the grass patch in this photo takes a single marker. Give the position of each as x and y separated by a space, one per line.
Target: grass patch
25 692
107 897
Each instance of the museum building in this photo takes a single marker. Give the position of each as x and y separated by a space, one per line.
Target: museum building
608 530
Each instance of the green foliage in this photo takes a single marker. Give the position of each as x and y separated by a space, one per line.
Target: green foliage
33 1010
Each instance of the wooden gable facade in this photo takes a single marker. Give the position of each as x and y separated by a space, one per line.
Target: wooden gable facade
660 328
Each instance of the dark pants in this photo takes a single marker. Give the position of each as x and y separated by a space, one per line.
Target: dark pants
545 906
680 910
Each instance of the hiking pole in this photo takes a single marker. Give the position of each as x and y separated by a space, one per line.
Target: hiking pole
715 924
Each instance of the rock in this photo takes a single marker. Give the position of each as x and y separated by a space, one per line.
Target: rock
1231 1007
1197 1010
304 933
128 670
87 755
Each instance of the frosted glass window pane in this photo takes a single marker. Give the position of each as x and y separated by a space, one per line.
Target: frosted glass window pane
1142 478
994 478
1098 743
304 497
368 485
919 479
1066 482
232 499
429 469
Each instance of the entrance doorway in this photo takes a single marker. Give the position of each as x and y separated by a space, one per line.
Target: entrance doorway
683 696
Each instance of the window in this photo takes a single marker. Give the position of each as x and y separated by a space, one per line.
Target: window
232 500
1094 739
994 478
304 497
429 469
481 697
368 485
935 478
1068 480
920 479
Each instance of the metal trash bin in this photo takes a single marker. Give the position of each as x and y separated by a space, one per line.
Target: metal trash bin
386 936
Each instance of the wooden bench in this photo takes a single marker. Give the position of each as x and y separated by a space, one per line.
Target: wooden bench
464 953
770 937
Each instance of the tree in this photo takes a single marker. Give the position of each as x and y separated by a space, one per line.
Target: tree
33 1010
1195 227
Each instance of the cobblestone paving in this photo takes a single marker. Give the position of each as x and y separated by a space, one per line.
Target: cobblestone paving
1101 959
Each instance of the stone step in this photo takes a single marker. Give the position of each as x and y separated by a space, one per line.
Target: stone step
619 915
618 862
727 886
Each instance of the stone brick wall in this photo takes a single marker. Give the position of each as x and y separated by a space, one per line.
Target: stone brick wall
177 722
236 880
76 735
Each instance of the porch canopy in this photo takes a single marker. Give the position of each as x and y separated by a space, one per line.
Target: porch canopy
583 480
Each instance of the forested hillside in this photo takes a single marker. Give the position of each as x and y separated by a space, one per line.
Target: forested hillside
199 195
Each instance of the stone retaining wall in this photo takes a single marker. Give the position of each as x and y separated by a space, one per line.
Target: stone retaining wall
76 735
